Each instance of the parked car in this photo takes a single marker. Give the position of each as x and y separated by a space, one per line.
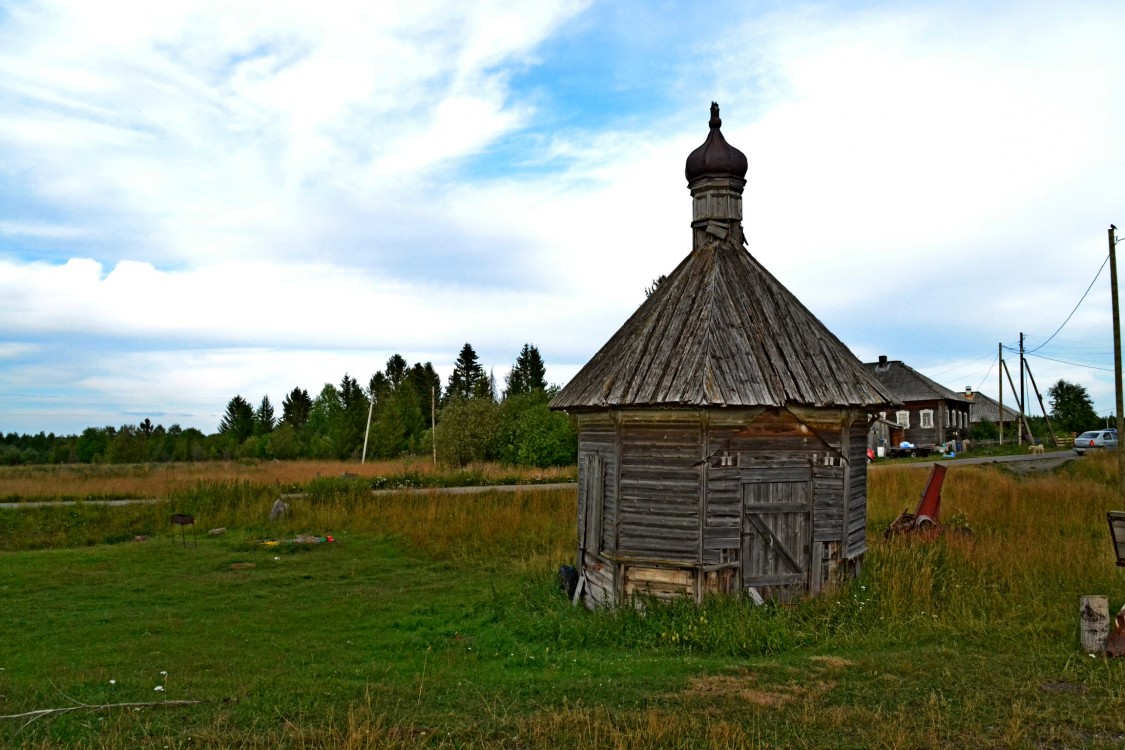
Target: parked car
1095 440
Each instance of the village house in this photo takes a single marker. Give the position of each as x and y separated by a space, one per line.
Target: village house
985 409
931 415
722 429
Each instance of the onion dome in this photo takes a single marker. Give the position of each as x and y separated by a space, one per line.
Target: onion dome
715 156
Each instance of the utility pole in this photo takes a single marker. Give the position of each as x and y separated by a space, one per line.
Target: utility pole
1023 399
1042 407
1000 377
1023 420
367 432
1117 356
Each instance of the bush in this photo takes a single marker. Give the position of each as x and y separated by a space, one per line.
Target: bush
467 431
530 434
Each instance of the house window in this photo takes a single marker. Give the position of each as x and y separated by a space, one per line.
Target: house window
903 418
927 418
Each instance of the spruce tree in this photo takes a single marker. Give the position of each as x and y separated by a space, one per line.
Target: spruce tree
238 421
528 374
264 420
295 408
468 379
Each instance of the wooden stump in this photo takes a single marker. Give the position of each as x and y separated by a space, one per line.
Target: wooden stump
1093 619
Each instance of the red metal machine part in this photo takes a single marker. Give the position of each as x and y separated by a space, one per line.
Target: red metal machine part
925 517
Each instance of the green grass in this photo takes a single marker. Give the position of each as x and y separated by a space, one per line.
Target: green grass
434 621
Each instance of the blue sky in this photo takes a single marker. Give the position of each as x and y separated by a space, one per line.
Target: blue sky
203 199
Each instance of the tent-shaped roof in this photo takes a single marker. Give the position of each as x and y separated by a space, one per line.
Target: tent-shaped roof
721 331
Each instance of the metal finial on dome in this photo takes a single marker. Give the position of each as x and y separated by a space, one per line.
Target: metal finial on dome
715 156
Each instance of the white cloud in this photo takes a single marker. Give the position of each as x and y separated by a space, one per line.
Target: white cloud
219 131
273 189
41 230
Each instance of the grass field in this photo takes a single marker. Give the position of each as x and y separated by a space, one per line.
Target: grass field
433 621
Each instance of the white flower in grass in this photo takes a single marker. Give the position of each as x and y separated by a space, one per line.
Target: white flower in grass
164 673
159 688
113 682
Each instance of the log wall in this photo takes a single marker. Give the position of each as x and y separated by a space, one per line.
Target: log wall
671 494
660 485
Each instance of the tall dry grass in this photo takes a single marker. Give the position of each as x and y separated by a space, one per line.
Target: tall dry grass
517 531
1033 539
130 481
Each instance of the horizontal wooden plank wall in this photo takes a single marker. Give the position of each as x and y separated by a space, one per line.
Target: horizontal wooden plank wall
828 503
772 446
662 583
673 488
659 480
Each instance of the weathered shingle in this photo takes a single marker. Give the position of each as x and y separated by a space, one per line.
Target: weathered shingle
910 385
722 331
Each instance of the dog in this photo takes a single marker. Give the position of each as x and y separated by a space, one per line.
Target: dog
1035 448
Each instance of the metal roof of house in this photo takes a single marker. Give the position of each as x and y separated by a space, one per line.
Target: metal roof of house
910 385
721 331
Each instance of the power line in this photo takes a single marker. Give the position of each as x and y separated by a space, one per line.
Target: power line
1068 317
1076 364
994 361
960 366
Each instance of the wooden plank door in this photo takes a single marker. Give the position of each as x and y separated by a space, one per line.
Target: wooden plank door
777 538
592 476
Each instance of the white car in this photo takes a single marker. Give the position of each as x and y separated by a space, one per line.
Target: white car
1095 440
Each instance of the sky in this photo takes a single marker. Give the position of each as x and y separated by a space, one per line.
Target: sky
203 199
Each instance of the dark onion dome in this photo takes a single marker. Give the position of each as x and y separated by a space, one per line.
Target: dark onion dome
715 156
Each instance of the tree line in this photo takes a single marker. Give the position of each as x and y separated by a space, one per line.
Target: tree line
403 410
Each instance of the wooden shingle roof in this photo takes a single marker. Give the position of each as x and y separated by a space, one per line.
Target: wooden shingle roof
983 408
910 385
721 331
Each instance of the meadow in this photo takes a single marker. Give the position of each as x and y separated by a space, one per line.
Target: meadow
434 620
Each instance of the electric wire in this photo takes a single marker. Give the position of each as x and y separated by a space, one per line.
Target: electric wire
1068 317
994 361
1075 364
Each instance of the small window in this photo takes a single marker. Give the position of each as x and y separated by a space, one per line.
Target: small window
903 418
927 418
